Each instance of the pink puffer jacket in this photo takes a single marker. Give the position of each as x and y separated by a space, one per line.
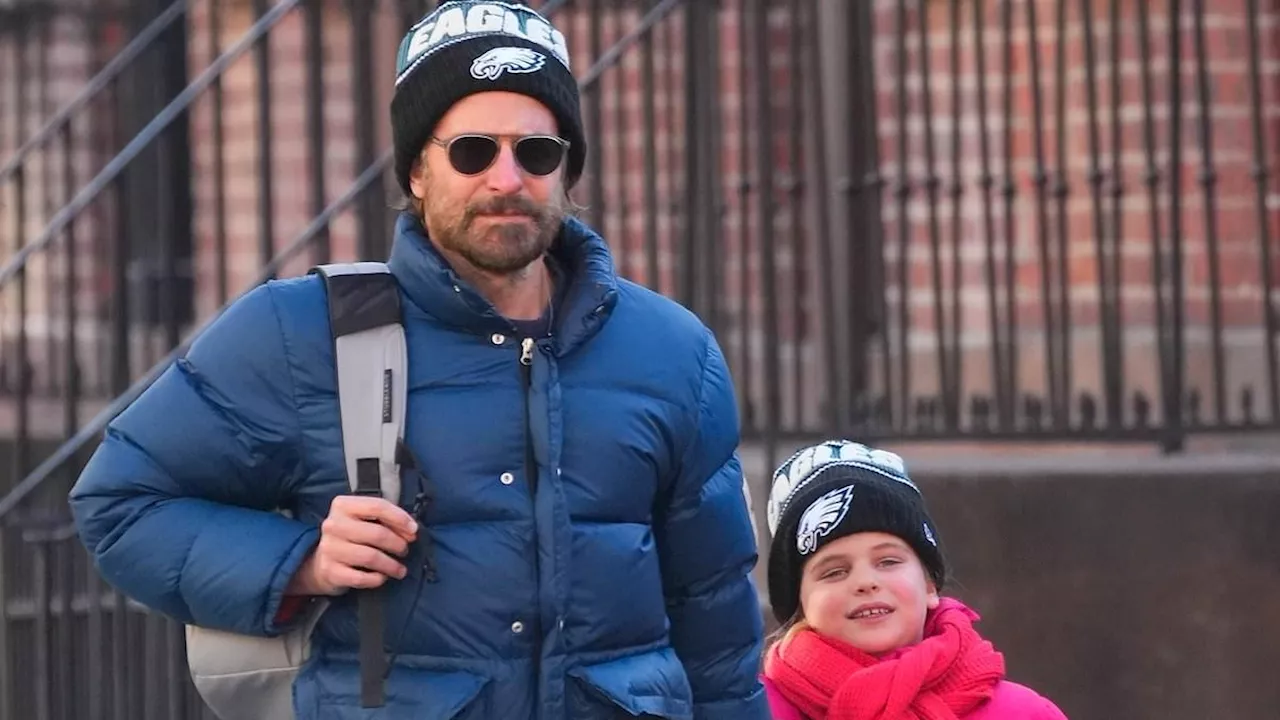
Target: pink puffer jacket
1011 701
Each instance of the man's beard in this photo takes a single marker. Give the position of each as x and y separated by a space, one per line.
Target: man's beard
499 248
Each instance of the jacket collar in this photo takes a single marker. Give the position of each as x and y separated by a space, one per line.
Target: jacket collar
432 285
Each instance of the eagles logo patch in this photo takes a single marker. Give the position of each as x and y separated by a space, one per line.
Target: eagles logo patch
492 64
821 517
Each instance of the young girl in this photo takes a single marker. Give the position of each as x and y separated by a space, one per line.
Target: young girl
854 576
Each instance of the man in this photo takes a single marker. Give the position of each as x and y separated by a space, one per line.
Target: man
587 547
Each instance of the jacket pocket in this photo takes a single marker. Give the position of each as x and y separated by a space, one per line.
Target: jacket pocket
650 684
333 694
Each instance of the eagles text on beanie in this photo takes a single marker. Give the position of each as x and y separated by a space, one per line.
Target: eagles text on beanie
465 47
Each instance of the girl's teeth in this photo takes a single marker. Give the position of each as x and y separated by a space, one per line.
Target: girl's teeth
871 613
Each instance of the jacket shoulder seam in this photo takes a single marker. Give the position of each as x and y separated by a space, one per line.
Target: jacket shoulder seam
300 437
695 431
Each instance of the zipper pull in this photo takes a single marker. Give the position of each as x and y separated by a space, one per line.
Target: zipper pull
526 352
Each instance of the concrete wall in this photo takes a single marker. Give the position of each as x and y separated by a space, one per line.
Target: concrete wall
1119 584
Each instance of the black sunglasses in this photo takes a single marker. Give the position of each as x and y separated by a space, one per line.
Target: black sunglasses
472 154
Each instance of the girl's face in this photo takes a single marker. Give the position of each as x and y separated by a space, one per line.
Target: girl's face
869 590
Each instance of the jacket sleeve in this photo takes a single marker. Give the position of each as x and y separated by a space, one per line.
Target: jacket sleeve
177 504
708 549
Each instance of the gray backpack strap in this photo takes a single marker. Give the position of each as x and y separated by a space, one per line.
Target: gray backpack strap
241 676
370 356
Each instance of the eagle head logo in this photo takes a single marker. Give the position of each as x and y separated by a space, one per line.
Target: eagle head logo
493 63
821 517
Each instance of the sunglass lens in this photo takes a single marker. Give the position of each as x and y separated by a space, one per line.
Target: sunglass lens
539 155
471 154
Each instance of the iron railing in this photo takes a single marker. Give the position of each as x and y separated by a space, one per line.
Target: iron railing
79 671
42 604
45 47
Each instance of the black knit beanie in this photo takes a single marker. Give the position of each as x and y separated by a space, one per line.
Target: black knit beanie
467 46
838 488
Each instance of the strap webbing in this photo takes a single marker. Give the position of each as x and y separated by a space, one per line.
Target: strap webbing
369 352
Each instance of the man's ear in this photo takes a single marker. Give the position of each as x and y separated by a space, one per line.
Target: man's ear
418 178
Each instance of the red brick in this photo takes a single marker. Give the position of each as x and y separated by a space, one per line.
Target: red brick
619 145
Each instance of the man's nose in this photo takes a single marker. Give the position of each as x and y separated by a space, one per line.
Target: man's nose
504 177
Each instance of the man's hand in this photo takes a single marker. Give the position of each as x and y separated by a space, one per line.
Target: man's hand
357 542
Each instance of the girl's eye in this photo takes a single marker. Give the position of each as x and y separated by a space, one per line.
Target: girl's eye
833 574
889 562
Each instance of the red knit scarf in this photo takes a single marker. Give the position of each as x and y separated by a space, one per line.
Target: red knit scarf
948 674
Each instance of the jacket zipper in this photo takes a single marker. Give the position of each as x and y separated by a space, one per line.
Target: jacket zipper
531 472
526 375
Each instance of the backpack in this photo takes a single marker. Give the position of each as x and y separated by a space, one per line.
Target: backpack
243 676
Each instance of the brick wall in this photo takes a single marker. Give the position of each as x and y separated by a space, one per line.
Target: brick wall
46 58
638 120
1069 156
632 215
290 161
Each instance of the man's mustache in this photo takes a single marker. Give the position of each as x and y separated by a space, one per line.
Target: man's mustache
505 205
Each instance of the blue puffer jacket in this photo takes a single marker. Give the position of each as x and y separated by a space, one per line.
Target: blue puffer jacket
620 587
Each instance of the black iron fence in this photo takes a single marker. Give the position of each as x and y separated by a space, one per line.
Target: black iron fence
72 645
982 219
1045 220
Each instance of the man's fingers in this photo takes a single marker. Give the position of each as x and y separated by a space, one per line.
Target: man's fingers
349 577
363 557
364 532
358 539
378 510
